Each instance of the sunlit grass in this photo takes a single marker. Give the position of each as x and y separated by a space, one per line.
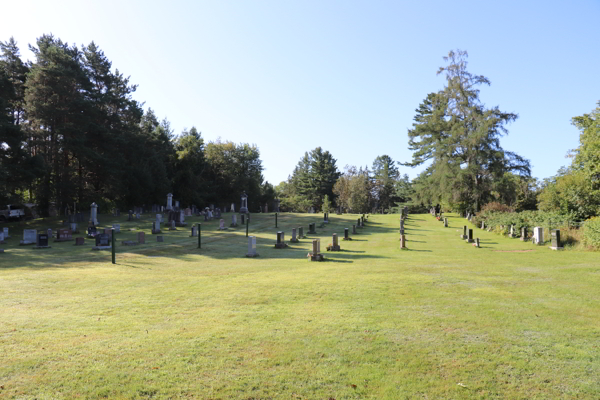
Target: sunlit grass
439 320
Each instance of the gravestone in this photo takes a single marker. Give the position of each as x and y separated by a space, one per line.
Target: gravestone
188 212
74 228
102 242
181 220
42 241
141 238
301 233
244 206
233 208
538 236
524 234
311 228
294 239
470 237
512 231
316 255
210 214
6 235
233 221
334 243
64 235
94 214
117 228
252 247
159 218
156 228
346 235
79 241
243 219
172 227
358 223
464 235
92 231
281 244
177 205
170 201
2 237
556 244
311 210
222 226
482 224
402 242
326 218
354 229
194 231
445 222
160 239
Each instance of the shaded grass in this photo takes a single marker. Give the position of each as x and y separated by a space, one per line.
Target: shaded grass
173 321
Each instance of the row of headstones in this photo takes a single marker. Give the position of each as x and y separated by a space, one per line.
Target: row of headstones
538 236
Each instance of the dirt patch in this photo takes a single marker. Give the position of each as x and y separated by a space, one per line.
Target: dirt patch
513 251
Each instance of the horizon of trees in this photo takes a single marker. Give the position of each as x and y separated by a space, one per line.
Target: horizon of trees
71 132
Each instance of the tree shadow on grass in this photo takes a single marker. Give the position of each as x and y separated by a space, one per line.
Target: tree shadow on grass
426 251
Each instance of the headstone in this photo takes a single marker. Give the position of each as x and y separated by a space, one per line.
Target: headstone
280 240
311 228
141 238
5 231
188 212
74 227
445 222
402 242
169 201
205 216
354 229
94 214
243 219
538 235
556 244
63 235
358 223
159 218
181 220
464 235
194 231
346 235
79 241
2 237
92 231
42 241
244 207
470 237
316 251
160 239
301 233
294 239
482 224
252 247
233 209
117 228
102 242
512 231
311 210
326 218
49 231
108 231
177 205
524 234
172 227
234 220
334 243
222 225
210 214
156 228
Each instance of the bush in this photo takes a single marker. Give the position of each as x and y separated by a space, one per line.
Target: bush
591 232
495 206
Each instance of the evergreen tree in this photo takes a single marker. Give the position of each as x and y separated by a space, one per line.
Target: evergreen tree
385 174
461 137
314 176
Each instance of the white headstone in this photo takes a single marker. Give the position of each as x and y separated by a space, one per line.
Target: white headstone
251 245
94 214
232 207
29 236
5 231
538 235
117 228
169 201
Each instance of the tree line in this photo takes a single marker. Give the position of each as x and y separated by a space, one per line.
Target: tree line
70 132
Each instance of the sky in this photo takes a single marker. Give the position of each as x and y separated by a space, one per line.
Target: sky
290 76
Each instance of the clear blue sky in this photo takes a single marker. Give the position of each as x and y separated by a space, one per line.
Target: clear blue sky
343 75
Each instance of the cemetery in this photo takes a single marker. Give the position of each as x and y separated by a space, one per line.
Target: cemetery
168 309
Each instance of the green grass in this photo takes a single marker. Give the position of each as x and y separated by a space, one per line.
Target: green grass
371 322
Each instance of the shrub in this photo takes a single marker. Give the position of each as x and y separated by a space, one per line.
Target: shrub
591 232
495 206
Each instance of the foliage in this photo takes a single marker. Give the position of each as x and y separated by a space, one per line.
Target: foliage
326 204
385 174
313 177
461 138
353 190
591 232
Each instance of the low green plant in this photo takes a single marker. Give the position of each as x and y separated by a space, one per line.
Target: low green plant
591 232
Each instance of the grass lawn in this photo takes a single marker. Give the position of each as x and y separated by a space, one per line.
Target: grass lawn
440 320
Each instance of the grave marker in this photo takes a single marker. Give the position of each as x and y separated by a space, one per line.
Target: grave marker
102 242
470 237
556 244
252 247
79 241
141 238
316 251
538 236
294 239
334 243
280 241
42 241
346 236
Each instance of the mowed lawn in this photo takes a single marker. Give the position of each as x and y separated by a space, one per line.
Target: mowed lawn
440 320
